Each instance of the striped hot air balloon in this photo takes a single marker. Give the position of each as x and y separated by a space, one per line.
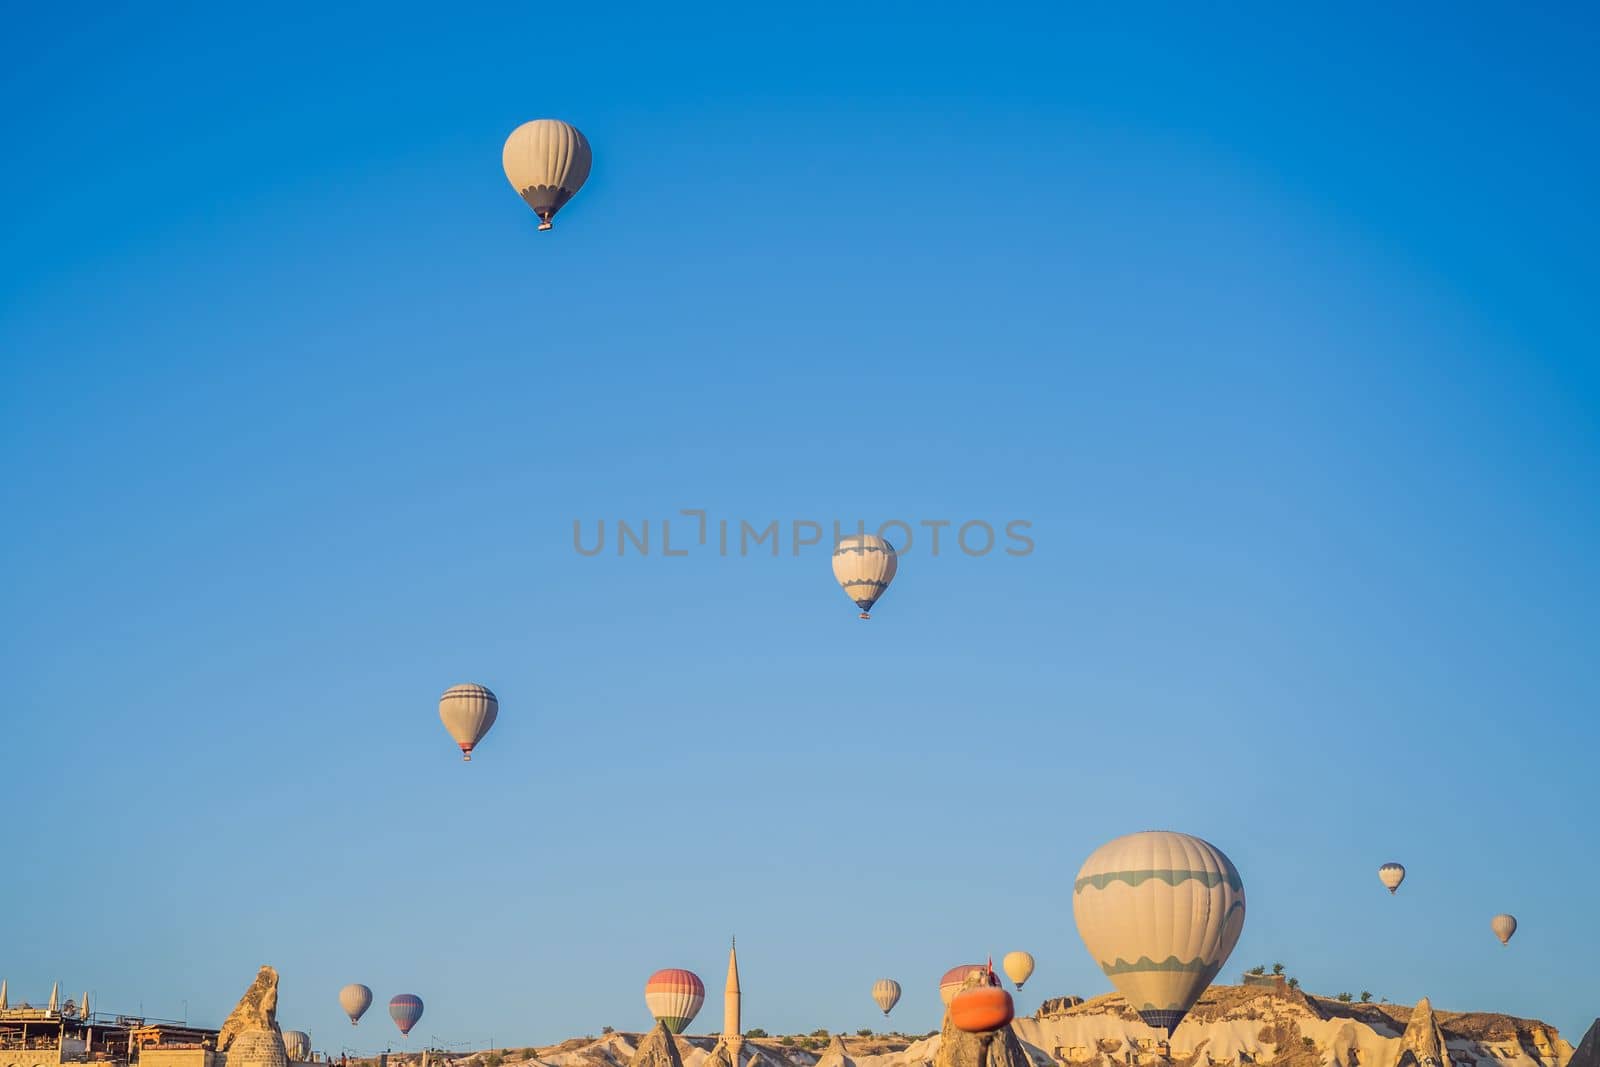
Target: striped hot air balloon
405 1010
468 711
864 565
674 997
886 994
1391 875
297 1044
1503 926
355 999
546 161
955 977
1159 912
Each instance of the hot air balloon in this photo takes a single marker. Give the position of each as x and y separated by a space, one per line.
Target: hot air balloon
405 1010
864 565
674 997
355 999
297 1044
468 711
1018 966
1503 926
1391 875
546 161
955 977
886 994
1159 912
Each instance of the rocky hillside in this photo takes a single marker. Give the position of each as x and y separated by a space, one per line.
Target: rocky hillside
1232 1026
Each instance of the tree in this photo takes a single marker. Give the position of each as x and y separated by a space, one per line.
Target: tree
1345 998
1294 983
755 1031
608 1029
1260 968
820 1031
1366 998
1277 968
786 1040
864 1032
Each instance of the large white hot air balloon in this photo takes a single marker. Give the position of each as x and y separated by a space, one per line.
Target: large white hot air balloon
468 711
1159 912
1018 966
886 994
355 999
1503 926
297 1043
864 565
546 161
1391 875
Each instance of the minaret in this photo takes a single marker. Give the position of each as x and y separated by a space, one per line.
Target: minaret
731 1033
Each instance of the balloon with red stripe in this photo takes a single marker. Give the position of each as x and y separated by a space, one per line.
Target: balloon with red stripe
405 1010
674 997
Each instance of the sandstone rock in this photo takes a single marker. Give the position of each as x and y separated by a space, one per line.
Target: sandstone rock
1056 1006
257 1010
836 1055
658 1049
1588 1051
957 1048
1422 1045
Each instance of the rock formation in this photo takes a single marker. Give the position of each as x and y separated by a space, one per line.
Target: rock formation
837 1055
1422 1045
250 1035
658 1049
1588 1052
957 1048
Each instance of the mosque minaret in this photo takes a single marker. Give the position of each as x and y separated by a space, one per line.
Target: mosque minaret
732 1034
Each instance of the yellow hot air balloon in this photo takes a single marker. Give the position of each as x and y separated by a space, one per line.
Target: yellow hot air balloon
546 161
468 711
864 565
1503 926
1391 875
886 994
1159 912
1018 966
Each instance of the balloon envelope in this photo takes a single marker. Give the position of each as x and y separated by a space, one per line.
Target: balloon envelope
886 994
1503 926
405 1010
1391 875
864 565
468 711
955 977
297 1044
1159 912
1018 966
674 997
355 999
546 161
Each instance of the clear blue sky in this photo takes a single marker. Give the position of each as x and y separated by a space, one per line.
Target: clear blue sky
1279 326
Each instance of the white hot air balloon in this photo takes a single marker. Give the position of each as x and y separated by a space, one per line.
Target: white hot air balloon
864 565
1018 966
297 1043
1503 926
1159 912
1391 875
546 161
468 711
886 994
355 999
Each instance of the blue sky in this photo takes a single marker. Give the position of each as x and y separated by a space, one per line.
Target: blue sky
1277 326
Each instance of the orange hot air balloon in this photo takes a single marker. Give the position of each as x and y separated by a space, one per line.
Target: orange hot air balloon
981 1009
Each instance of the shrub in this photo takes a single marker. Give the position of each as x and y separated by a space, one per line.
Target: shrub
1260 968
864 1032
493 1059
1366 998
787 1041
1294 983
1308 1042
608 1029
1345 998
819 1032
755 1031
1277 968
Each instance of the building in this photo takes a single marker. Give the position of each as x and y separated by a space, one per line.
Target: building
62 1033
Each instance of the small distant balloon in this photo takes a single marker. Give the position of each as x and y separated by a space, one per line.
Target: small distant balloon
1503 926
886 994
1018 966
546 161
864 565
297 1045
1391 875
355 999
674 996
405 1010
468 711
